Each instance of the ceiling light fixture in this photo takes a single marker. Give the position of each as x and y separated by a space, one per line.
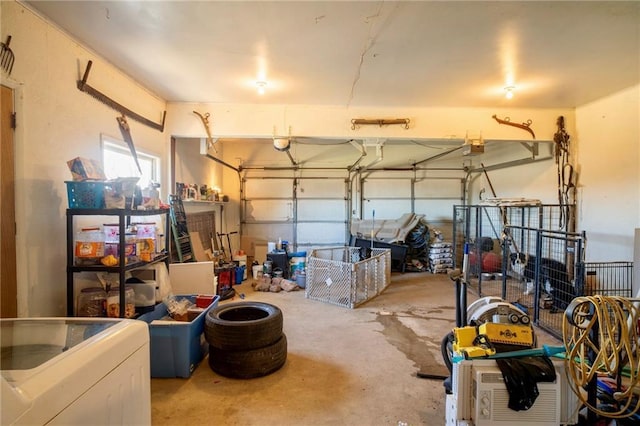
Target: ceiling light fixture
508 92
261 87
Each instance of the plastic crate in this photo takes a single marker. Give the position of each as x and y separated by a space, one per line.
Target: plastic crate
176 347
86 194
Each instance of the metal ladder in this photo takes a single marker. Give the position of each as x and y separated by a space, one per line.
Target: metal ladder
179 230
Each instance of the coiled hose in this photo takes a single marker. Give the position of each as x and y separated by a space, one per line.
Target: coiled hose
600 335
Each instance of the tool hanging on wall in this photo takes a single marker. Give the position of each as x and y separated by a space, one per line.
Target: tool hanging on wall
357 122
205 122
6 56
523 126
565 173
84 87
126 135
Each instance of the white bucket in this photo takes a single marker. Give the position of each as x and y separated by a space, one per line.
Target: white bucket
256 269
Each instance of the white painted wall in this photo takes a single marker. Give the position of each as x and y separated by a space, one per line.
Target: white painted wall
609 165
57 122
335 122
193 167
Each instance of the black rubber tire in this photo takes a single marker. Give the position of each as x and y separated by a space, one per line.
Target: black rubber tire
243 326
251 363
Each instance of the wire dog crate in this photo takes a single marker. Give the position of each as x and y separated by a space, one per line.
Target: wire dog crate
608 278
483 227
340 275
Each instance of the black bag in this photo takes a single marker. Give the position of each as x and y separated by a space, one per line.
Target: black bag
521 375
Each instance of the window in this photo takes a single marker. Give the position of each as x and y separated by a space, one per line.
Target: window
118 162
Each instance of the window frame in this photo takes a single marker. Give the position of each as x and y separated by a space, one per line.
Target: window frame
114 144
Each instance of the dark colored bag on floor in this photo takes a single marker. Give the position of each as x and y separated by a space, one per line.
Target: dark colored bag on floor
521 375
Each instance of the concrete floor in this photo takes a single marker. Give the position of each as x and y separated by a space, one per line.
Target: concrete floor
344 366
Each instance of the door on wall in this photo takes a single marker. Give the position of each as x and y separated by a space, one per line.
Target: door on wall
8 285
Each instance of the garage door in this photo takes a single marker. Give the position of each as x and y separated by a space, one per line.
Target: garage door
391 197
306 212
315 211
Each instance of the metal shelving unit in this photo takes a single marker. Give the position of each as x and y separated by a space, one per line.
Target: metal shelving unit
124 218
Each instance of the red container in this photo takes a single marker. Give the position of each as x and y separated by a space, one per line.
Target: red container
204 300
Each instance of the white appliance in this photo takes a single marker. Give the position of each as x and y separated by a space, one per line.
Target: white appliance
193 278
480 398
75 371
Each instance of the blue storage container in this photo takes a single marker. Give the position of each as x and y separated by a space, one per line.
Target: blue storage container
176 347
86 194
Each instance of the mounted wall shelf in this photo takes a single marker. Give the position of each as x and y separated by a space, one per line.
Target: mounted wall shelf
188 201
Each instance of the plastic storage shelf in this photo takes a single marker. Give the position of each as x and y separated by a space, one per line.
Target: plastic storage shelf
124 217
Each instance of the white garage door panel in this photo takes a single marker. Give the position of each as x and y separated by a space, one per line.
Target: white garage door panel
391 188
267 232
327 188
387 209
438 188
325 233
268 188
268 210
321 210
435 209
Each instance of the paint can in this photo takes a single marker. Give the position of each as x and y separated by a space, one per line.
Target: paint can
267 267
301 279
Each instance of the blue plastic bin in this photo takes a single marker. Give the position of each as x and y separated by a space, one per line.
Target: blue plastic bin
86 194
176 347
240 273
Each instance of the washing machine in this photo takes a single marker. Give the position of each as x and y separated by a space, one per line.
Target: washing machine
75 371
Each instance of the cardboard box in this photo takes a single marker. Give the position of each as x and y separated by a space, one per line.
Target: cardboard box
176 347
86 169
249 244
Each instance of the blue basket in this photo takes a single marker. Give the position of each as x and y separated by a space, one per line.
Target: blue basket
85 194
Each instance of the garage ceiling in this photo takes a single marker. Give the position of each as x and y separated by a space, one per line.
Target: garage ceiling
364 53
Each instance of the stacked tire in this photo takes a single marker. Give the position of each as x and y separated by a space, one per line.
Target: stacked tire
245 339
